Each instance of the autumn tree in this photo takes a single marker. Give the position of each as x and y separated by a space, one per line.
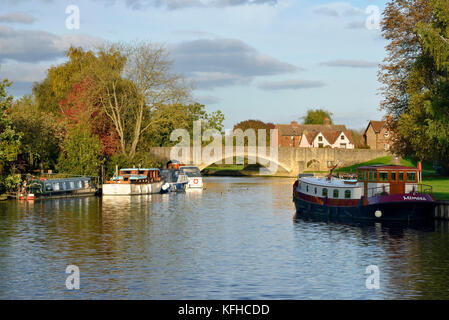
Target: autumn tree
9 141
317 116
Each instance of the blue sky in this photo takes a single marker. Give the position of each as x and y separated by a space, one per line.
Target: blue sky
253 59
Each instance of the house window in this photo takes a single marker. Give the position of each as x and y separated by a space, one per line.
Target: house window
348 194
342 137
324 193
320 138
343 145
336 192
386 134
387 146
320 145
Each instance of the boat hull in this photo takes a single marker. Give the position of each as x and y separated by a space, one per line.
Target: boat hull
61 194
117 189
387 209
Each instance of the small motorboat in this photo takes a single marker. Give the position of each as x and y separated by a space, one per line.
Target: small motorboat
134 181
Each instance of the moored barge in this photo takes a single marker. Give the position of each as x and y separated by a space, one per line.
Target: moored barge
379 192
58 188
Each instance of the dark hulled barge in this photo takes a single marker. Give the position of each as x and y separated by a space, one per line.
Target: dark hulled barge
379 192
58 188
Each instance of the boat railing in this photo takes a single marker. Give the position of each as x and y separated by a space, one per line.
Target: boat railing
379 191
385 190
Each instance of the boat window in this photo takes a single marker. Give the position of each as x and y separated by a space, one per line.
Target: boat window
307 188
77 184
336 192
125 179
372 176
347 194
361 175
300 185
56 186
393 176
383 176
67 185
401 176
48 187
316 190
72 185
324 193
61 185
411 176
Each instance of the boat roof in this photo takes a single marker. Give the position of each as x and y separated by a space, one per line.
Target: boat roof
140 169
333 183
386 167
61 179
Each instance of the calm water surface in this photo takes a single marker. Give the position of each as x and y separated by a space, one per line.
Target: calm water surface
238 239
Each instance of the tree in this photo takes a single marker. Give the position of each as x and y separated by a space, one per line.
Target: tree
131 101
81 152
9 141
41 132
425 123
317 116
399 22
256 125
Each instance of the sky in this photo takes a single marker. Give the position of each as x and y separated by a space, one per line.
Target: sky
270 60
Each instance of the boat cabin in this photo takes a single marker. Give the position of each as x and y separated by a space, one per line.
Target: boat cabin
50 186
136 176
388 179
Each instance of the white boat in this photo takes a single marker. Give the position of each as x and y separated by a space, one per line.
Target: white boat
195 180
133 181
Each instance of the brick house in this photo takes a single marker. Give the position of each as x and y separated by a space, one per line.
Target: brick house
314 136
376 136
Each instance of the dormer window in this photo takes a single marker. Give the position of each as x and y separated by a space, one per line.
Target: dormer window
320 138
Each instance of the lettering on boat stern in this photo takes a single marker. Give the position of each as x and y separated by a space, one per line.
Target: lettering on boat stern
228 309
414 198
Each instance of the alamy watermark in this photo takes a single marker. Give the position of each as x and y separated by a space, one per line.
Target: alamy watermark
372 22
257 147
73 280
373 280
72 21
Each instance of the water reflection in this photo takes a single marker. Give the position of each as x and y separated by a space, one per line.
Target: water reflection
237 239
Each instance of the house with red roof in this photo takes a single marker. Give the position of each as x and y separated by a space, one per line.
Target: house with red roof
314 135
376 136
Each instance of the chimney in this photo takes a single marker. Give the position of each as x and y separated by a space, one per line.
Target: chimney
294 124
327 122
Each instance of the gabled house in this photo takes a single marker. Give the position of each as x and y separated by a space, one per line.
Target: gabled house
376 136
314 136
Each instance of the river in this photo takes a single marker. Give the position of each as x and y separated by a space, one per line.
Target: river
237 239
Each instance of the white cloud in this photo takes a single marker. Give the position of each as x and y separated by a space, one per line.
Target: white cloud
350 63
17 18
291 84
35 45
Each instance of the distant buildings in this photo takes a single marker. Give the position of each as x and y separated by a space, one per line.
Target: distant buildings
376 136
314 136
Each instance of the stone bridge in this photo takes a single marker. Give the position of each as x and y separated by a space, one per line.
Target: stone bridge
288 161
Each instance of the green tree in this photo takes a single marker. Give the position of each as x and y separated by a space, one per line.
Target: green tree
317 116
41 132
425 123
81 152
9 142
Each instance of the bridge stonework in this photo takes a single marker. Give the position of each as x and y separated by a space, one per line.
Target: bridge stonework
292 161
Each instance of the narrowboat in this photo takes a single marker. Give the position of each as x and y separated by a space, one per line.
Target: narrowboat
133 181
377 192
195 180
58 188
